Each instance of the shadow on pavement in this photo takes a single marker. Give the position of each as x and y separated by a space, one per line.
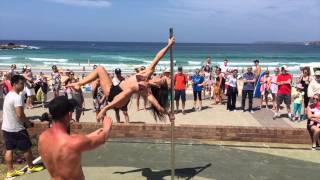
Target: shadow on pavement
227 162
186 173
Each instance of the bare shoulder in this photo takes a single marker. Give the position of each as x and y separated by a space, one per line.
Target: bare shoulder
43 136
78 142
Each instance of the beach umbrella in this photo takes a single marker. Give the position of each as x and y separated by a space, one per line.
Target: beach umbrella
172 110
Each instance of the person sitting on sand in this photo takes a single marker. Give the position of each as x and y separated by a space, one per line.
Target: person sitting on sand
155 89
313 124
61 152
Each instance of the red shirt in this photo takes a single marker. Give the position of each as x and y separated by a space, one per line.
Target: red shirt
7 87
284 88
180 81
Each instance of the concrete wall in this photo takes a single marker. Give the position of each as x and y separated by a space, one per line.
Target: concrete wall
219 133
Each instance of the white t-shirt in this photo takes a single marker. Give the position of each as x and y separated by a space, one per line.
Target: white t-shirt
10 122
224 68
232 81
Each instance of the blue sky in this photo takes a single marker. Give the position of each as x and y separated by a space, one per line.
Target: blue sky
238 21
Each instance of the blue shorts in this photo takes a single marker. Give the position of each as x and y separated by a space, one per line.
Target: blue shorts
180 93
17 140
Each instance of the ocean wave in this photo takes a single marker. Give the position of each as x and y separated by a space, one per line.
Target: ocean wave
6 57
33 47
47 59
194 62
251 63
160 62
119 58
62 64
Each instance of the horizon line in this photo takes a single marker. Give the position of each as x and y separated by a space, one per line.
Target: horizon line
183 42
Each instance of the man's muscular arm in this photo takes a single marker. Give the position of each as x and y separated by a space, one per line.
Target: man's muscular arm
94 139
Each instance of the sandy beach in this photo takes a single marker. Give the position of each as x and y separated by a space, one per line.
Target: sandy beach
210 115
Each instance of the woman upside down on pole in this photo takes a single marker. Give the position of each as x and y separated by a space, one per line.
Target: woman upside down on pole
155 89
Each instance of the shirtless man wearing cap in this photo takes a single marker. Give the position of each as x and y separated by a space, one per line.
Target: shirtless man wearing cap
61 152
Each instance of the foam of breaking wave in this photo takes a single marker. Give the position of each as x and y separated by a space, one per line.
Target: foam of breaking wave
251 63
33 47
194 62
119 58
6 57
47 59
62 64
160 62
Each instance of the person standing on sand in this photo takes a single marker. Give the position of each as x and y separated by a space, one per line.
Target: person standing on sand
274 88
55 80
219 86
265 88
13 70
224 67
297 102
6 84
29 87
180 84
206 69
116 80
42 91
305 80
314 86
77 96
248 88
99 99
284 91
14 127
232 91
57 147
197 85
257 68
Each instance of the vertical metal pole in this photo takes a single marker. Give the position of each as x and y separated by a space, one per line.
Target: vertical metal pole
172 111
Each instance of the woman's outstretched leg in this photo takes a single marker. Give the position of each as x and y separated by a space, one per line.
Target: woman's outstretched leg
99 73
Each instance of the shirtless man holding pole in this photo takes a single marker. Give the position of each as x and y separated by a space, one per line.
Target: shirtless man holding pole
61 152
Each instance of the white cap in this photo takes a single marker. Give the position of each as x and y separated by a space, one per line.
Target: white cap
285 67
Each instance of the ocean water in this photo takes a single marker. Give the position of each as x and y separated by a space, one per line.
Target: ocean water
127 56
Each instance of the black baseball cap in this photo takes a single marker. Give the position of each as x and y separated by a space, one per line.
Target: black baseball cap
180 68
60 106
255 61
117 70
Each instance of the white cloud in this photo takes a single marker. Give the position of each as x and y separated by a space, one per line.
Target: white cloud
85 3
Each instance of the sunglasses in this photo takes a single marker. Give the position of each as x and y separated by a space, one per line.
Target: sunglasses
71 74
316 99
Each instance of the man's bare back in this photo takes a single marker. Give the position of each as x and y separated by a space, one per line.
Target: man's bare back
60 158
61 153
